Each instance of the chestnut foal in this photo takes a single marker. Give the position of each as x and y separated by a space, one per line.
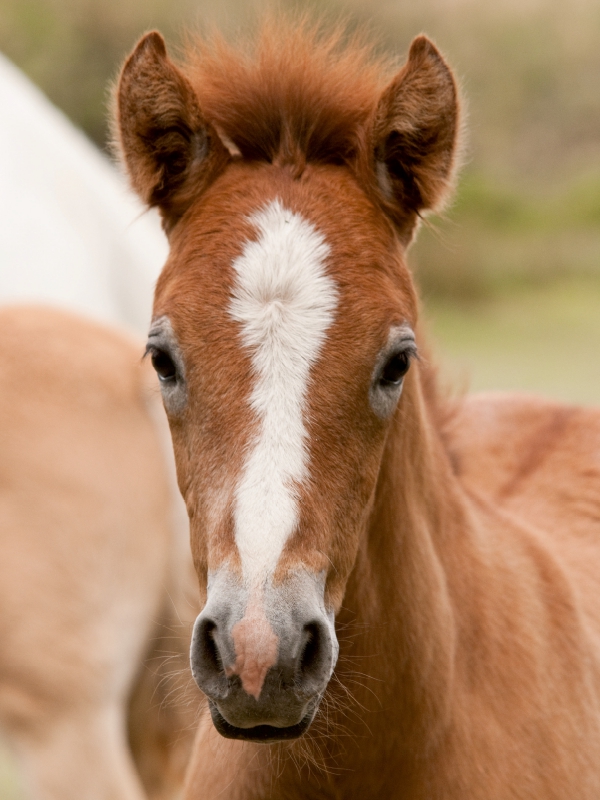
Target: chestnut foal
329 492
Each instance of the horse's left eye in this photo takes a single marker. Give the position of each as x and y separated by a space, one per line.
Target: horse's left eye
395 369
164 366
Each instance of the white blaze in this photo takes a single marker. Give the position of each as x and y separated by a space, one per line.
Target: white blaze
285 302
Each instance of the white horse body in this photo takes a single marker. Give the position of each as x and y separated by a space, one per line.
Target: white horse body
71 233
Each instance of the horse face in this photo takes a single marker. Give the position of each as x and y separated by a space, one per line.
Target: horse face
282 334
283 329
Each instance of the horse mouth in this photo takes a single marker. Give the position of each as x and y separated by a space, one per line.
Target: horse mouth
263 734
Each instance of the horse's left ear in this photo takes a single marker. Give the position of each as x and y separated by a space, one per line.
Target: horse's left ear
415 132
171 151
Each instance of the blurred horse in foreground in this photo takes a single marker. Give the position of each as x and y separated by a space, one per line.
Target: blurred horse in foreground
92 560
95 598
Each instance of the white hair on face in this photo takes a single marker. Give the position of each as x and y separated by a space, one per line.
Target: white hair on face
285 303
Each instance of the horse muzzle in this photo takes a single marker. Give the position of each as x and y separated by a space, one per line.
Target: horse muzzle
264 655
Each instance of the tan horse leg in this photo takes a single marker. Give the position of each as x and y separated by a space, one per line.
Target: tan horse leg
80 757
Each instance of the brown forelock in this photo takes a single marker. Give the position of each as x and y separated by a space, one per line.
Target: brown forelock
293 94
345 438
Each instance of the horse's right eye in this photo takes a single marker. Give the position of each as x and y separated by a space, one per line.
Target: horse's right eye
164 366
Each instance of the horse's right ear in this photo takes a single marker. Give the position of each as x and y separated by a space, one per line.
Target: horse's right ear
170 150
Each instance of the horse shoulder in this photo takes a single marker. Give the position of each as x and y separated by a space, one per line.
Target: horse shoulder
518 447
537 464
539 461
528 607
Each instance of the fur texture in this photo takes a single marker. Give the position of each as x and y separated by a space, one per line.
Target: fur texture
461 550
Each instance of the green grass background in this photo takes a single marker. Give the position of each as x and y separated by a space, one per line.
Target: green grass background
539 339
10 787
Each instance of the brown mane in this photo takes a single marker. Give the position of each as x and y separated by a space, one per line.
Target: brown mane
293 94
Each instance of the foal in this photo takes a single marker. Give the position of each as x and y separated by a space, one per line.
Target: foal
330 494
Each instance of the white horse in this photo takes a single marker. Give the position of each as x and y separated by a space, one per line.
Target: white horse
71 233
93 550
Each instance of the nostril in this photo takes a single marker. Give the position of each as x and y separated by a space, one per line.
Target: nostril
210 652
309 658
207 657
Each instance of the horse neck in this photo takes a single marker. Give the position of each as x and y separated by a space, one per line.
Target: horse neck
398 604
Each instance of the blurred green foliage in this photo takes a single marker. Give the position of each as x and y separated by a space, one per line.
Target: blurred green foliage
540 339
528 206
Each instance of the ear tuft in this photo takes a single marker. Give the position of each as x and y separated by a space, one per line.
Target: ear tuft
415 132
170 150
154 41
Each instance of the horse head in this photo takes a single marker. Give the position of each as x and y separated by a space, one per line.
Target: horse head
284 330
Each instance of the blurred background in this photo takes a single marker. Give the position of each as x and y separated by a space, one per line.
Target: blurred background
510 274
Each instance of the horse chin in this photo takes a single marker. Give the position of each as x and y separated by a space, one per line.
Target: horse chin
262 734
